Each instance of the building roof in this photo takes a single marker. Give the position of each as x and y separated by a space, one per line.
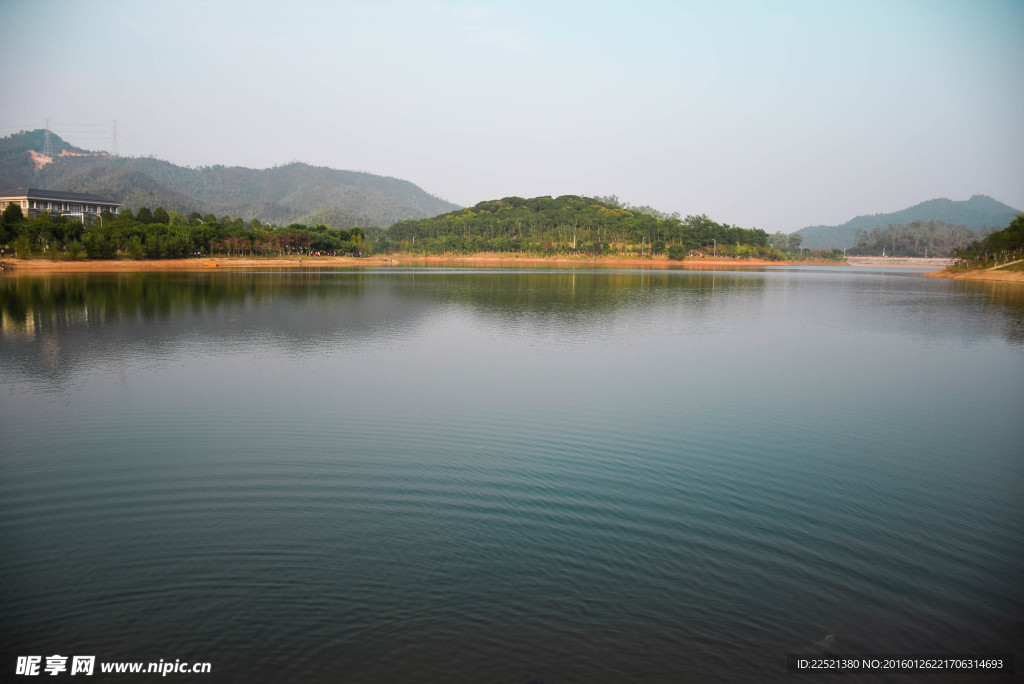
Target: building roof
35 193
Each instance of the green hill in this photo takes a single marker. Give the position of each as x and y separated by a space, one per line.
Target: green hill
570 225
976 213
285 194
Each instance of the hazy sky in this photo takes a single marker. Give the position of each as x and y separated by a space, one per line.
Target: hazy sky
774 115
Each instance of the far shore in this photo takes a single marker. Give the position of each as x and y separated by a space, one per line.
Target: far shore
901 262
310 262
42 266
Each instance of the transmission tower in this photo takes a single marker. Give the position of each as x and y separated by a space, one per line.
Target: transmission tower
47 145
115 137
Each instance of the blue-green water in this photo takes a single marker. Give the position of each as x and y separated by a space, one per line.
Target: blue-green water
512 475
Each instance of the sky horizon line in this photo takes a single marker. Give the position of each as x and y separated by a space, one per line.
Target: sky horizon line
623 200
775 115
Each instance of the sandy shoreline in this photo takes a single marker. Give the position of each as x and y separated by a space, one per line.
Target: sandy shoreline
40 266
28 267
130 265
612 262
989 275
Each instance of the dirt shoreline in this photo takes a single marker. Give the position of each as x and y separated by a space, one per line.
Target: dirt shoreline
133 265
130 265
614 262
987 275
42 266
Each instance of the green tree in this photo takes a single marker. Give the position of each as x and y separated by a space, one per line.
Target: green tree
134 247
23 247
10 222
42 229
98 245
677 252
145 216
12 214
161 216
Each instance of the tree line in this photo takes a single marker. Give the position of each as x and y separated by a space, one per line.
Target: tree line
159 234
569 225
574 225
914 239
996 248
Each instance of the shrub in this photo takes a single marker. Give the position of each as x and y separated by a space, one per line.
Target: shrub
99 246
23 247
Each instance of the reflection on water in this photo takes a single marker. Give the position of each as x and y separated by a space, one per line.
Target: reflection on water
354 304
1004 299
507 475
301 309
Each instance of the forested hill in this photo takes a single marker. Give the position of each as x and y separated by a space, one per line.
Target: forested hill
567 224
976 213
294 193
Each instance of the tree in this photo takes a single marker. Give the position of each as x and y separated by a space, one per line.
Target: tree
794 241
778 240
145 216
12 214
161 216
10 221
42 229
23 247
677 252
98 245
134 247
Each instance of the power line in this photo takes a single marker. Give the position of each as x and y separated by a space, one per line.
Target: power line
65 125
27 129
110 137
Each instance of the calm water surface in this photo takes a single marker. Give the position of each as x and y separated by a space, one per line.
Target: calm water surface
512 475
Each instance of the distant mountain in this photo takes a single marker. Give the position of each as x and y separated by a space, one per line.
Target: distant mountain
294 193
976 213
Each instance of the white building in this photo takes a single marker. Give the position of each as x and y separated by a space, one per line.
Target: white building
33 202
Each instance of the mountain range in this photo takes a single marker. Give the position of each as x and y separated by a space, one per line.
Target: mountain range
292 193
300 193
980 211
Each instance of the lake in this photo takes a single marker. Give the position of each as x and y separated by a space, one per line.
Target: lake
510 475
